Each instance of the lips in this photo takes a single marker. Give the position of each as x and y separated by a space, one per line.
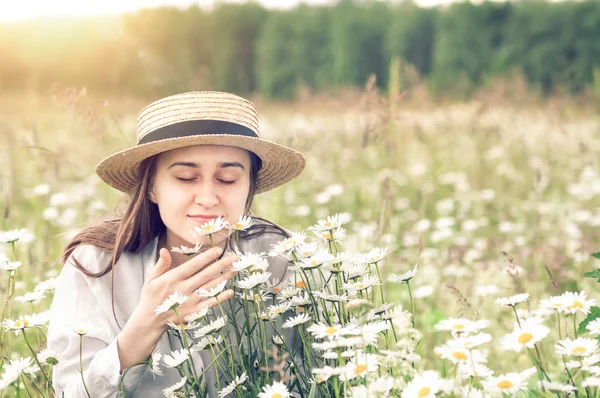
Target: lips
202 218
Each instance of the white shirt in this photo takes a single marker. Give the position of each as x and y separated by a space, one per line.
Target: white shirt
83 302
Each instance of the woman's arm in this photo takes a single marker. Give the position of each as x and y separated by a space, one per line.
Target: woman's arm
75 307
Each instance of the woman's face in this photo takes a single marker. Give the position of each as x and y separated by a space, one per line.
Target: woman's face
191 185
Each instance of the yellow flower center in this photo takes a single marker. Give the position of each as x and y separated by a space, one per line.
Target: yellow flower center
461 356
557 305
276 395
300 284
576 304
327 235
423 392
299 308
256 297
22 323
360 286
458 326
276 289
360 368
330 330
327 224
578 350
504 384
525 337
238 225
207 227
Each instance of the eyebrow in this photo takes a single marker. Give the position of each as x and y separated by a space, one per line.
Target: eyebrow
195 165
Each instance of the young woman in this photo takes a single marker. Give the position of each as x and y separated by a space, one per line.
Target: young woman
198 157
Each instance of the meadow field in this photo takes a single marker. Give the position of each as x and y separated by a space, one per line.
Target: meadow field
490 199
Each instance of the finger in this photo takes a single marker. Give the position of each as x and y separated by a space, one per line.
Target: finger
212 283
197 263
162 265
211 302
211 272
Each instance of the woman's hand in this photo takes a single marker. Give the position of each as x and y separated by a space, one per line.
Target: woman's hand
144 328
201 271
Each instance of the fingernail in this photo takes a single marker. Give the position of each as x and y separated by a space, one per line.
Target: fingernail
218 250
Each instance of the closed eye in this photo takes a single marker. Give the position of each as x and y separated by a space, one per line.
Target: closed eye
227 182
185 179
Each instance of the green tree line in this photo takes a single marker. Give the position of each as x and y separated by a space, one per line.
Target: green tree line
246 48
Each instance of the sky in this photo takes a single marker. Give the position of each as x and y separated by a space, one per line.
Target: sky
21 10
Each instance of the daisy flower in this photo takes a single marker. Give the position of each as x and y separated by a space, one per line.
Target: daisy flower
278 309
334 298
424 385
176 358
360 365
307 249
377 254
405 277
287 293
49 357
275 390
239 380
196 316
154 363
336 235
24 322
513 300
253 280
461 325
320 330
12 235
296 320
188 251
207 342
286 246
251 262
577 302
508 383
554 303
46 286
10 265
321 258
554 386
212 327
455 351
214 292
474 369
243 223
594 327
183 326
30 297
580 347
171 302
591 382
367 282
255 297
527 335
211 227
332 222
169 392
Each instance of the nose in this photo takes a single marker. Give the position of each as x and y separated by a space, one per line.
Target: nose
206 194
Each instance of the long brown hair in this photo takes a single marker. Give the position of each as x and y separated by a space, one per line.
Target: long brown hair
140 223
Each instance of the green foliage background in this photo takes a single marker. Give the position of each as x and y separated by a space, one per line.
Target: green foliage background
246 48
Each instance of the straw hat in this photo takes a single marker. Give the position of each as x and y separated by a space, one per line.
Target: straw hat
200 118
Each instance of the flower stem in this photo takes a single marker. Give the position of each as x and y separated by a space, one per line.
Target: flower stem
36 359
81 364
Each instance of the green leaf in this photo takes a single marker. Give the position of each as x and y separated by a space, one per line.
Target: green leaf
594 314
593 274
596 255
